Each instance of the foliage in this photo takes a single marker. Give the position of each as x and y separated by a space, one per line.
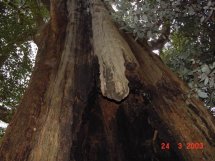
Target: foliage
184 56
19 21
14 74
148 18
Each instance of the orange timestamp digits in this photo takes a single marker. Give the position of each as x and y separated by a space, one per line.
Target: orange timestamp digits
165 146
194 146
188 146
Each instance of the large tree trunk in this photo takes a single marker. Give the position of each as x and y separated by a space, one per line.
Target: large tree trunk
97 95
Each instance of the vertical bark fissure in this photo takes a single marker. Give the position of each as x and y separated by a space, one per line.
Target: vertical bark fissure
84 76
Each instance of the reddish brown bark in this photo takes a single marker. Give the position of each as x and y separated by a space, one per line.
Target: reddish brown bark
67 113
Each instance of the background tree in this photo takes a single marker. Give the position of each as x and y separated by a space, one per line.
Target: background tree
19 23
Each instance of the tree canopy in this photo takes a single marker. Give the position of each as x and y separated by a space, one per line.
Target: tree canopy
19 22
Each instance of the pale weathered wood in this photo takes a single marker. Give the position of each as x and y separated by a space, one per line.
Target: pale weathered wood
112 51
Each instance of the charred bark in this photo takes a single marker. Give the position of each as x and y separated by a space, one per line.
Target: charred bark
97 95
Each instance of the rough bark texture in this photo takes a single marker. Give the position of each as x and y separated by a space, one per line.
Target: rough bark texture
97 95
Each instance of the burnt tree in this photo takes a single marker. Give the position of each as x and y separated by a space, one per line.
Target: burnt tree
98 95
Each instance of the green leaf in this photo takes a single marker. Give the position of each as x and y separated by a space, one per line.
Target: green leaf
202 94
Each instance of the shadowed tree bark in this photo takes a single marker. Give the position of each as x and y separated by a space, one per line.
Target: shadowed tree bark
97 95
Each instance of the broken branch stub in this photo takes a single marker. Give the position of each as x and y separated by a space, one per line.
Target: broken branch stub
112 52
